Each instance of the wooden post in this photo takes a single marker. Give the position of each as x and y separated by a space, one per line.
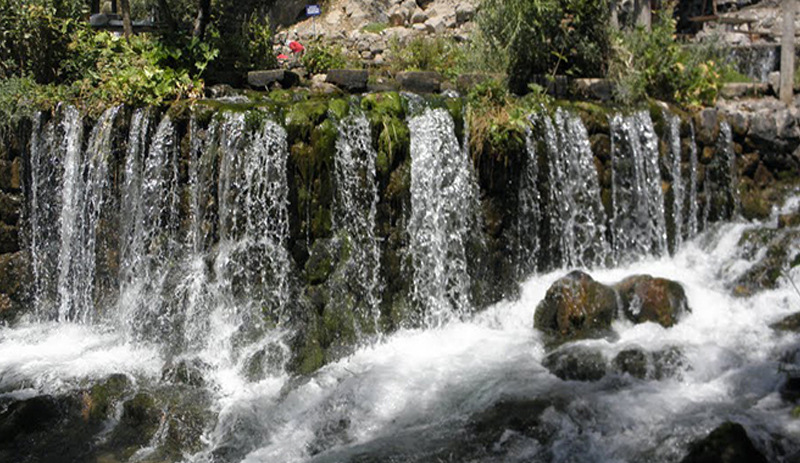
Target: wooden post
787 52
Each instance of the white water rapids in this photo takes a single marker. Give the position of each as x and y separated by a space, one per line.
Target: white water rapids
411 397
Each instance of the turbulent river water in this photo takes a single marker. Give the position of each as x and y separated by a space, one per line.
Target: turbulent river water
445 392
410 397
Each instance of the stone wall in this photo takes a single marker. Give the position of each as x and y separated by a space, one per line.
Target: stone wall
14 269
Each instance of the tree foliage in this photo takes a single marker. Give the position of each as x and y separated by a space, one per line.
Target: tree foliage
545 37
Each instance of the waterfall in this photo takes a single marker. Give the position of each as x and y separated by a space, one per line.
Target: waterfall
151 243
85 193
673 136
44 190
722 198
253 263
443 204
638 224
691 207
355 208
529 212
573 209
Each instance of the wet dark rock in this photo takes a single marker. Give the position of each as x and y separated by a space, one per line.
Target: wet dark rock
788 323
781 254
729 443
790 388
188 372
575 307
576 363
648 299
140 420
668 363
320 261
351 80
10 208
47 429
633 362
518 415
99 401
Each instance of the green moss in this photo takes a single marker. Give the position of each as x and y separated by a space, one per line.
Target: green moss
311 356
594 116
383 104
303 117
101 398
394 143
339 108
399 182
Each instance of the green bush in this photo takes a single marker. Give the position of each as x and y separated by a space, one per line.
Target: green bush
34 37
259 35
320 58
427 54
652 63
546 37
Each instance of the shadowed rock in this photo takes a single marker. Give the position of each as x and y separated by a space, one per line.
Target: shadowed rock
729 443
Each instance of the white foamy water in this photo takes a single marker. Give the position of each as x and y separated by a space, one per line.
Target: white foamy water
48 358
410 397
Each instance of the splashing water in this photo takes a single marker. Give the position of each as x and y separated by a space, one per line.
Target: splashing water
355 209
638 224
443 201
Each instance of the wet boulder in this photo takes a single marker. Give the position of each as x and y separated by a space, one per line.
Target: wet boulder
188 372
729 443
576 363
773 252
788 323
648 299
576 307
141 417
657 365
633 362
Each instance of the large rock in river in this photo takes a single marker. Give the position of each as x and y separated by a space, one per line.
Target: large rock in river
649 299
729 443
576 306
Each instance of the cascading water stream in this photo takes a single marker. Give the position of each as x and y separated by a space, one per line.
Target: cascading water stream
638 226
85 197
573 207
677 191
443 204
355 209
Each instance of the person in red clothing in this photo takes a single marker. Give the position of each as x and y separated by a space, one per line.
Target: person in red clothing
296 48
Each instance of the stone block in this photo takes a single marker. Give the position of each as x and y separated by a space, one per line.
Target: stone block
352 80
267 79
420 81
